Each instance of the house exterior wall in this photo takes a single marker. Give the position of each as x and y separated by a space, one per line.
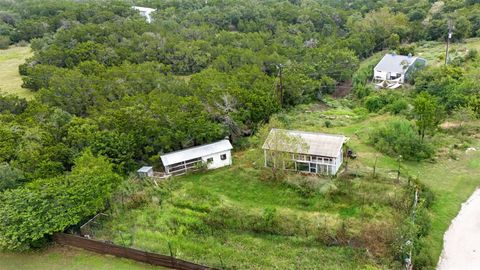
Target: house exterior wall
310 163
212 161
216 161
148 173
339 160
379 75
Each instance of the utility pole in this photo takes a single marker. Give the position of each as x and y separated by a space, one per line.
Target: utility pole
280 84
448 39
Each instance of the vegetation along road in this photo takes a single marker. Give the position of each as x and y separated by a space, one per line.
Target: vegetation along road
462 240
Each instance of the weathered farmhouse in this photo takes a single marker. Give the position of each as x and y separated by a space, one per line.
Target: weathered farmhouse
145 12
304 151
397 68
214 155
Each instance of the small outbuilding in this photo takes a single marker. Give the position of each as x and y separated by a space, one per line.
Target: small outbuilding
397 68
213 155
309 152
145 12
145 171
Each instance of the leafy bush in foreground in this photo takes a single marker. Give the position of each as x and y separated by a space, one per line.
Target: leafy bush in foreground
399 137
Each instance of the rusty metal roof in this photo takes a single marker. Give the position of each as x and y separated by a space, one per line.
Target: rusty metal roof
303 142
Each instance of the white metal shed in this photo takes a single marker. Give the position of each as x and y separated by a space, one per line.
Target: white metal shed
214 155
145 171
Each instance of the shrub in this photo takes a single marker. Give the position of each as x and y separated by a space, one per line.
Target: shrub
375 103
399 137
362 90
406 49
328 124
397 107
422 255
12 104
4 42
22 43
10 177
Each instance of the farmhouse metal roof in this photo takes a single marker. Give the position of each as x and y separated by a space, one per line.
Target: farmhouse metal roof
319 144
395 63
196 152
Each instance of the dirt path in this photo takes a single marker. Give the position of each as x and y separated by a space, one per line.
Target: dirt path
342 90
461 248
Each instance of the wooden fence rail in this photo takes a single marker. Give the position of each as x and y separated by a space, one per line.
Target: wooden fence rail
125 252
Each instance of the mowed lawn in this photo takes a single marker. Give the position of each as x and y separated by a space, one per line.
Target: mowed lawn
66 258
10 79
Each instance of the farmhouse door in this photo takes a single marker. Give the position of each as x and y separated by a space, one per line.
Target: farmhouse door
313 168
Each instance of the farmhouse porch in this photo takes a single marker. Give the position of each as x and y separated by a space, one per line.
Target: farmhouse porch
321 154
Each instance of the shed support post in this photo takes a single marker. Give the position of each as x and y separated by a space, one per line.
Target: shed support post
265 156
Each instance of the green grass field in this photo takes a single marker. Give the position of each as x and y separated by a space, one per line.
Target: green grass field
10 79
189 200
65 258
216 218
434 52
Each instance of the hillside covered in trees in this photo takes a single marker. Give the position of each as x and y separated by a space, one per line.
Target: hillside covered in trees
113 92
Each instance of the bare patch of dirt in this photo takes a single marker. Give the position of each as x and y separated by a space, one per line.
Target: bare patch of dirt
343 89
448 125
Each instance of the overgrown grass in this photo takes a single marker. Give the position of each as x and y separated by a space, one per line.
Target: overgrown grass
232 217
236 218
452 179
64 258
434 52
10 79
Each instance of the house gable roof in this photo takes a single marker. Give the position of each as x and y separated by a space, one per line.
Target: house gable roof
196 152
319 144
395 63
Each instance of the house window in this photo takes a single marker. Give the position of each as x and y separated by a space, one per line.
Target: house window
223 157
210 160
303 167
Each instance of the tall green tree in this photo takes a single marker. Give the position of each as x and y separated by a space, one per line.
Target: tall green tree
428 113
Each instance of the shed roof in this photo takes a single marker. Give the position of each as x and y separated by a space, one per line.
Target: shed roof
145 169
395 63
196 152
319 144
